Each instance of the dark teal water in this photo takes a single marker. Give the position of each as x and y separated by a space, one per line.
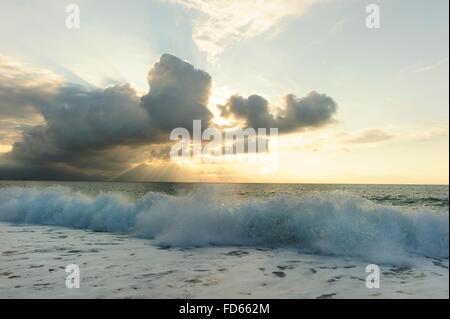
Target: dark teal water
435 197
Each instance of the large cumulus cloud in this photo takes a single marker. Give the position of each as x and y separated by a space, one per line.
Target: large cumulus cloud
88 128
179 94
78 118
92 133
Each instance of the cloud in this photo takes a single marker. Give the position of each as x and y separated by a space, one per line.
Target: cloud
11 131
222 22
22 87
79 120
94 133
312 111
420 132
365 136
92 130
179 94
347 141
433 66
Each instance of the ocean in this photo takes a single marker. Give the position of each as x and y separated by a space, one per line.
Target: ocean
192 240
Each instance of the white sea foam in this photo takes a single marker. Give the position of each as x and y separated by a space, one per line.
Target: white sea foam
328 223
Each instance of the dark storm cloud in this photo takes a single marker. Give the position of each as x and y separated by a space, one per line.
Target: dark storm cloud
91 133
85 127
313 110
78 118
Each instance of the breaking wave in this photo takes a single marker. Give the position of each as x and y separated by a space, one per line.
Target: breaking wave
334 223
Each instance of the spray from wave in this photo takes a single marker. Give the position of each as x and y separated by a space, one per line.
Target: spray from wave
327 223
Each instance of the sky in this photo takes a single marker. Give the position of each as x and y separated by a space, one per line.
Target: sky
352 104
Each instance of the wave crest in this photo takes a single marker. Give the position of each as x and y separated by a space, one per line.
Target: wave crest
334 223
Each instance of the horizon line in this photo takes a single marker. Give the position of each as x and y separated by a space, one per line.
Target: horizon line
206 182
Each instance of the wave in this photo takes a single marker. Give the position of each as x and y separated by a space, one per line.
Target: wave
333 223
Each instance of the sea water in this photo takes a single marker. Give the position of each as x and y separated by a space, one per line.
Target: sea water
191 240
